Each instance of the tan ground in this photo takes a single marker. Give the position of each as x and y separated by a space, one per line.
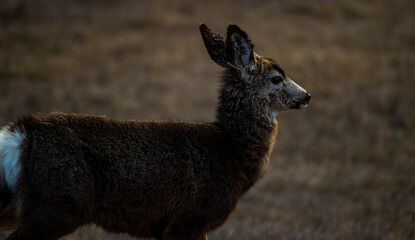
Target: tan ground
342 169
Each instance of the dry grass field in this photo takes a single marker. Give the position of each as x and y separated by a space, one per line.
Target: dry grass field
342 169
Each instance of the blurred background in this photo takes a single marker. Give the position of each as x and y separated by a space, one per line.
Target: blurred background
342 169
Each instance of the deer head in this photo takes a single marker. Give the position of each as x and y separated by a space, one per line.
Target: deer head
258 76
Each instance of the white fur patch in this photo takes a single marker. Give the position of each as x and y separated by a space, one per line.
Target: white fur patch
9 155
274 115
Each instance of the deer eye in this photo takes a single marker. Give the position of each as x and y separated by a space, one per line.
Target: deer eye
276 80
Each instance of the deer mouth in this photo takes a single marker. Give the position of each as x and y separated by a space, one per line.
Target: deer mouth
300 104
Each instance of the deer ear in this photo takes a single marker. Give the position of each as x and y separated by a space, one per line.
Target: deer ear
239 49
215 45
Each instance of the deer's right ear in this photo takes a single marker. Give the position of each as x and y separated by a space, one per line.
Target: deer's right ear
215 44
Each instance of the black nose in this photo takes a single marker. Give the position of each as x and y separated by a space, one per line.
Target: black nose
308 97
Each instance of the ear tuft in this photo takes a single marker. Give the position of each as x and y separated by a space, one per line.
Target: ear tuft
233 28
239 51
203 28
215 45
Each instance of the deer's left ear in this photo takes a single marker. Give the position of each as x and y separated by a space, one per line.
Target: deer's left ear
239 50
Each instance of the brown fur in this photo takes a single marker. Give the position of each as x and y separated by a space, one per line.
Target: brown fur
8 219
164 180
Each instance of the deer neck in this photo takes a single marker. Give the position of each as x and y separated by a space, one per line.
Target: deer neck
249 126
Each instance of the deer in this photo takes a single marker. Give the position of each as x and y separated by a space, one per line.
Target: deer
150 179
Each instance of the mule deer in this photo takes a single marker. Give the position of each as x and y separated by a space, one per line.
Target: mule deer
163 180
